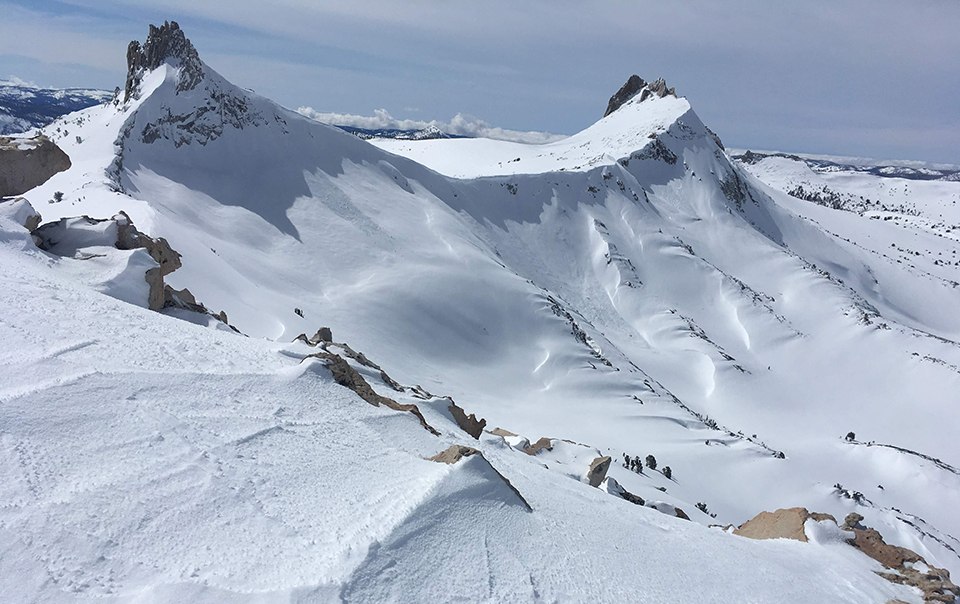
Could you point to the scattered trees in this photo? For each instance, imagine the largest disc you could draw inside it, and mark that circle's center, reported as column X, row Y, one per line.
column 703, row 508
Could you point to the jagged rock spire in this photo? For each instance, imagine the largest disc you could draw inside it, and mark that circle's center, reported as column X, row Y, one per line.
column 162, row 43
column 635, row 84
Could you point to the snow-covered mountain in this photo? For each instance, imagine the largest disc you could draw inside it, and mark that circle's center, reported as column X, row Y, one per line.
column 629, row 291
column 908, row 170
column 430, row 132
column 24, row 106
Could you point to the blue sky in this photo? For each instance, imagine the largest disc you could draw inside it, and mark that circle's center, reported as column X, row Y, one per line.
column 871, row 78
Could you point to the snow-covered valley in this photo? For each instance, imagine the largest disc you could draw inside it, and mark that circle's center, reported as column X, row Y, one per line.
column 631, row 290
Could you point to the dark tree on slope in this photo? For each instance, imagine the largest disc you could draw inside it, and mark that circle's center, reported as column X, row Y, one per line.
column 667, row 472
column 651, row 462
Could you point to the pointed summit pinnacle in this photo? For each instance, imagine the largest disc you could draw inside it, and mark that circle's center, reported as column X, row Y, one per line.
column 162, row 43
column 635, row 85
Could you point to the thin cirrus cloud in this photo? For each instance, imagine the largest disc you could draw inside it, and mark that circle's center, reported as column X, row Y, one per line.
column 857, row 77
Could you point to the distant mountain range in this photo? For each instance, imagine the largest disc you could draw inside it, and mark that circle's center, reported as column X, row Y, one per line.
column 428, row 133
column 888, row 170
column 24, row 106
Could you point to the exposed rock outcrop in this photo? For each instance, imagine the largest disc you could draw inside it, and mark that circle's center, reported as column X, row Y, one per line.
column 453, row 454
column 636, row 85
column 216, row 107
column 613, row 487
column 544, row 444
column 26, row 163
column 164, row 43
column 468, row 423
column 67, row 236
column 905, row 566
column 781, row 524
column 20, row 211
column 324, row 334
column 347, row 376
column 598, row 470
column 658, row 89
column 129, row 238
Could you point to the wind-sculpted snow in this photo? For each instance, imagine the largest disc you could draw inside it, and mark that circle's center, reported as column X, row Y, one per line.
column 629, row 288
column 194, row 464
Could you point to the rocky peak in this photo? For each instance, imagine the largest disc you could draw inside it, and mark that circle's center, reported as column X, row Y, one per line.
column 162, row 43
column 636, row 85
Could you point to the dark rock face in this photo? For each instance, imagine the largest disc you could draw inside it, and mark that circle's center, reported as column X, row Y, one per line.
column 163, row 43
column 28, row 163
column 598, row 470
column 634, row 85
column 215, row 107
column 656, row 150
column 468, row 423
column 658, row 89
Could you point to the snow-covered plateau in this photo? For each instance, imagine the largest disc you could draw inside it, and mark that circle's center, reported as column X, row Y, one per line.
column 630, row 293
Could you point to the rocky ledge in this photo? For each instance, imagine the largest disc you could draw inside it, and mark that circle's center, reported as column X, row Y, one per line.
column 636, row 85
column 26, row 163
column 901, row 565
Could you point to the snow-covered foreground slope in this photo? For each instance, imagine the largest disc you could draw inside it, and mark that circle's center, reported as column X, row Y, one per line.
column 151, row 459
column 636, row 291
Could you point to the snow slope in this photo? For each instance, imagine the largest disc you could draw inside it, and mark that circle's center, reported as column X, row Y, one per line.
column 150, row 459
column 629, row 288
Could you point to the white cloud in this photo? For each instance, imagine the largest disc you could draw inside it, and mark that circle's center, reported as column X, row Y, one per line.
column 15, row 81
column 460, row 125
